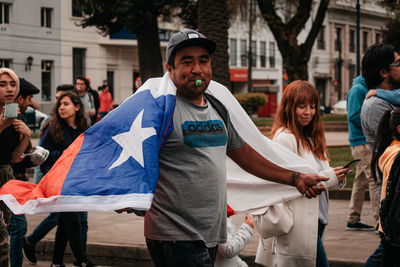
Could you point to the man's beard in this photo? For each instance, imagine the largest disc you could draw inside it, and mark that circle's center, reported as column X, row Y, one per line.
column 394, row 83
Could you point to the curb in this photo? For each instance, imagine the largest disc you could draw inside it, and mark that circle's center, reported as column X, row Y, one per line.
column 344, row 194
column 126, row 255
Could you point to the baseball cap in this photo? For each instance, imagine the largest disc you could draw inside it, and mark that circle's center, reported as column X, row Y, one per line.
column 26, row 88
column 188, row 38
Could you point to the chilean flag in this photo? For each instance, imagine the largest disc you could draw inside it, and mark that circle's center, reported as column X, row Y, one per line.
column 114, row 164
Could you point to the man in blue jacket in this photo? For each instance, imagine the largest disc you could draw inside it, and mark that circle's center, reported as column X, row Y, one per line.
column 360, row 150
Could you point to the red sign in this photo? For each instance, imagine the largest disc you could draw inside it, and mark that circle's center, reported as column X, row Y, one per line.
column 238, row 75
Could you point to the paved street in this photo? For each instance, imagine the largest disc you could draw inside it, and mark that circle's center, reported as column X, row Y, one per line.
column 109, row 231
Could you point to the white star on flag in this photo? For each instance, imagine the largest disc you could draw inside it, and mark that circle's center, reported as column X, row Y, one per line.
column 132, row 142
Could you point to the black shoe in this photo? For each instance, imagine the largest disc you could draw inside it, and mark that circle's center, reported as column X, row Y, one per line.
column 359, row 226
column 87, row 263
column 29, row 252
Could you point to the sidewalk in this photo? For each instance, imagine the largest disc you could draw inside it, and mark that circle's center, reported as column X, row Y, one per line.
column 117, row 239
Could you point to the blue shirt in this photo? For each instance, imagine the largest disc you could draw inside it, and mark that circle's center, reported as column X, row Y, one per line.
column 355, row 99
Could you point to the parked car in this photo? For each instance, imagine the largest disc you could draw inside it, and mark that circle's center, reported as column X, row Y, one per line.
column 340, row 107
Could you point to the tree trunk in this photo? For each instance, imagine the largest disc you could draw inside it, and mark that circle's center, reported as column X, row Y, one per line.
column 296, row 66
column 295, row 56
column 149, row 50
column 214, row 23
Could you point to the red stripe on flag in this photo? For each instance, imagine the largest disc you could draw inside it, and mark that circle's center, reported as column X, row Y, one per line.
column 51, row 184
column 53, row 181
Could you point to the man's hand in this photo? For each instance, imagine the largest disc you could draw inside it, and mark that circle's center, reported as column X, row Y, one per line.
column 122, row 210
column 307, row 184
column 370, row 93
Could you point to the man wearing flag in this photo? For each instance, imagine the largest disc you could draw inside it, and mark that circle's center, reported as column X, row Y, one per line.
column 186, row 220
column 164, row 149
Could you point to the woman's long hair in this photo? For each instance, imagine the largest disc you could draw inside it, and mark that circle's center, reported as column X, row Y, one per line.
column 57, row 124
column 311, row 137
column 386, row 133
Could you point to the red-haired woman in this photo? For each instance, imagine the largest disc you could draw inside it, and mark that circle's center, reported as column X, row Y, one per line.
column 298, row 127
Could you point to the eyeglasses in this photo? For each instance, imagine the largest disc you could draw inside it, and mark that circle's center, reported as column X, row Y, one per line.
column 397, row 64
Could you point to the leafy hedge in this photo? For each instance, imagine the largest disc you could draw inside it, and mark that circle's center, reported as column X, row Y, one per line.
column 251, row 101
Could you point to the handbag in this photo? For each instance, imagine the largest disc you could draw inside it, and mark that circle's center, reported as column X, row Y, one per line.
column 273, row 221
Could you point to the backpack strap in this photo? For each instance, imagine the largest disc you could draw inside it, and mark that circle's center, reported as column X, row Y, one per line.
column 219, row 107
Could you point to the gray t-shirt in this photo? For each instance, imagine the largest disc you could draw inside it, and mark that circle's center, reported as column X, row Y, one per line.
column 87, row 101
column 371, row 113
column 190, row 199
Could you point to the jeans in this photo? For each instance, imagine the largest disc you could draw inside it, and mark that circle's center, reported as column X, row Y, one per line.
column 181, row 253
column 322, row 260
column 68, row 230
column 84, row 228
column 17, row 230
column 375, row 259
column 43, row 228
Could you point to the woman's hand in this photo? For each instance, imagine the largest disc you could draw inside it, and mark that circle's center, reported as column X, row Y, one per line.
column 341, row 173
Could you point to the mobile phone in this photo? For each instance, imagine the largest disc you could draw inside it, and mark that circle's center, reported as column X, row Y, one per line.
column 11, row 110
column 352, row 163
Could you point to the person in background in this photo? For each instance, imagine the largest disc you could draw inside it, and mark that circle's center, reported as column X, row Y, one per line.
column 228, row 253
column 360, row 150
column 82, row 84
column 298, row 127
column 65, row 125
column 14, row 140
column 51, row 221
column 381, row 69
column 18, row 224
column 96, row 101
column 386, row 148
column 106, row 101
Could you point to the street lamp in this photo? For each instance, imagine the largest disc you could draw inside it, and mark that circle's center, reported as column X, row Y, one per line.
column 29, row 61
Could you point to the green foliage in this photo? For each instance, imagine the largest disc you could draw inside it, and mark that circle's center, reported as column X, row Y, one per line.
column 339, row 156
column 334, row 117
column 251, row 101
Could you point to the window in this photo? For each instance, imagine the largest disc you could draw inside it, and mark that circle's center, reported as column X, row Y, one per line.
column 338, row 41
column 272, row 55
column 263, row 50
column 254, row 53
column 321, row 39
column 5, row 63
column 45, row 17
column 232, row 52
column 352, row 43
column 78, row 62
column 76, row 11
column 4, row 13
column 47, row 66
column 377, row 38
column 365, row 41
column 243, row 53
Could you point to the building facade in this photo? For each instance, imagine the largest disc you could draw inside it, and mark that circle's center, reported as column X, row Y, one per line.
column 43, row 42
column 332, row 66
